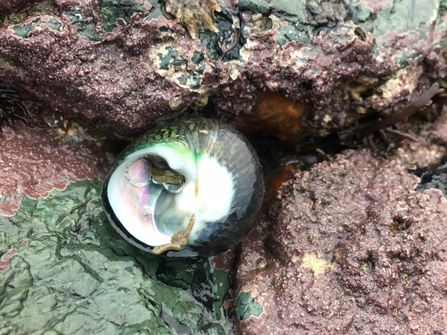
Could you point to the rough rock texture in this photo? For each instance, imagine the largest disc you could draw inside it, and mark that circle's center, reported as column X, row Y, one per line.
column 65, row 270
column 95, row 79
column 434, row 176
column 352, row 249
column 126, row 65
column 36, row 160
column 429, row 144
column 13, row 6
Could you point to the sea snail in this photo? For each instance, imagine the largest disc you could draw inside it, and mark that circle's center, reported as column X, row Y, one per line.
column 189, row 187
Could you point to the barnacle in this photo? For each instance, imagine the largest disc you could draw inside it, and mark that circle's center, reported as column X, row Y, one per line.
column 12, row 108
column 195, row 15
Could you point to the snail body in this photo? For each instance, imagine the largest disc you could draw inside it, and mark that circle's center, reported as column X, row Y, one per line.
column 192, row 186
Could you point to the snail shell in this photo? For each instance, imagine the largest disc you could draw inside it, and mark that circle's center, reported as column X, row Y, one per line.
column 193, row 186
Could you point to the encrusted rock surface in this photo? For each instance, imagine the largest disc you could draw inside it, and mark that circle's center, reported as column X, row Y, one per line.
column 36, row 160
column 14, row 6
column 352, row 249
column 127, row 65
column 349, row 246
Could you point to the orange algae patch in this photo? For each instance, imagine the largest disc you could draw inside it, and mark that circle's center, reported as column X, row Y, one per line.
column 284, row 174
column 276, row 115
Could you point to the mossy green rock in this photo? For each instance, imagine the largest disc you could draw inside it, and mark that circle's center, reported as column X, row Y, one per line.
column 64, row 270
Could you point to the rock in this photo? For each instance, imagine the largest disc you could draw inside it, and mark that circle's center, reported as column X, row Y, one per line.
column 348, row 247
column 49, row 153
column 352, row 248
column 63, row 268
column 14, row 6
column 127, row 66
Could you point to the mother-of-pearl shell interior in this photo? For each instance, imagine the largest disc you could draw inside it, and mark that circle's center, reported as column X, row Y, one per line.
column 207, row 193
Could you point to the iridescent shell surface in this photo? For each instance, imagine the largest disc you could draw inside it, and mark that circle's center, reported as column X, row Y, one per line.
column 189, row 187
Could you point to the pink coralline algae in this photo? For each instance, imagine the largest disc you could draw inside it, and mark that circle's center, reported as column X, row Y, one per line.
column 34, row 162
column 125, row 67
column 353, row 248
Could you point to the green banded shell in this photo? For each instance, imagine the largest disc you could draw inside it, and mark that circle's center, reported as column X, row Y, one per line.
column 191, row 186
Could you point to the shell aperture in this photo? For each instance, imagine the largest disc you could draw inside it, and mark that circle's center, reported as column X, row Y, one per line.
column 195, row 184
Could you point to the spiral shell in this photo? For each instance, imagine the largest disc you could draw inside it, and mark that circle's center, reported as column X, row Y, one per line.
column 191, row 186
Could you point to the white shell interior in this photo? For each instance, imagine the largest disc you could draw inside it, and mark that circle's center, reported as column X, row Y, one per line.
column 207, row 193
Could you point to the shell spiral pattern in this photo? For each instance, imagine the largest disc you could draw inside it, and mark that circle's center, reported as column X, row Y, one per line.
column 187, row 187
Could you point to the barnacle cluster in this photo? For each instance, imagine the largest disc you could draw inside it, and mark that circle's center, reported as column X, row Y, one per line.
column 195, row 15
column 12, row 108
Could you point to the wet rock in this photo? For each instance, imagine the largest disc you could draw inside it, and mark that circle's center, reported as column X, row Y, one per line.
column 65, row 270
column 76, row 76
column 127, row 65
column 14, row 6
column 36, row 160
column 433, row 176
column 274, row 115
column 352, row 248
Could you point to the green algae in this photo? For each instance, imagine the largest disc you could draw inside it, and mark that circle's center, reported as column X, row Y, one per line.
column 86, row 28
column 246, row 306
column 289, row 33
column 43, row 8
column 188, row 72
column 111, row 10
column 22, row 30
column 87, row 19
column 292, row 11
column 403, row 16
column 65, row 270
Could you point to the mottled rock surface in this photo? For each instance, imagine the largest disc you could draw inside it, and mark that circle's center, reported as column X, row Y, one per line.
column 127, row 65
column 65, row 270
column 352, row 249
column 349, row 247
column 36, row 160
column 14, row 6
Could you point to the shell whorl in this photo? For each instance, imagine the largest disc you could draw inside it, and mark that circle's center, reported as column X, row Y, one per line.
column 219, row 201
